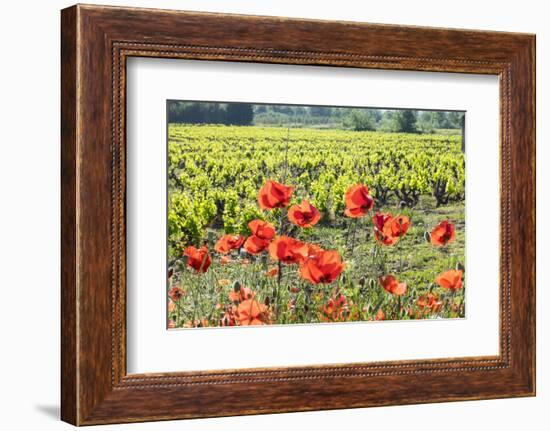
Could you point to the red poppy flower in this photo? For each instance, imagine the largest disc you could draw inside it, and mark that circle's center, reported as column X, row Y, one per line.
column 324, row 267
column 262, row 229
column 336, row 309
column 198, row 258
column 399, row 225
column 304, row 215
column 255, row 245
column 382, row 229
column 274, row 195
column 388, row 229
column 391, row 285
column 252, row 312
column 241, row 294
column 171, row 306
column 429, row 301
column 176, row 294
column 443, row 233
column 451, row 279
column 288, row 250
column 272, row 271
column 229, row 242
column 358, row 201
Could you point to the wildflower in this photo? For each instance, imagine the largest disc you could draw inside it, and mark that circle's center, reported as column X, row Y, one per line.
column 358, row 201
column 429, row 301
column 274, row 195
column 251, row 312
column 382, row 229
column 175, row 294
column 262, row 229
column 443, row 234
column 255, row 245
column 324, row 267
column 288, row 250
column 198, row 258
column 272, row 271
column 451, row 279
column 229, row 242
column 391, row 285
column 336, row 309
column 304, row 215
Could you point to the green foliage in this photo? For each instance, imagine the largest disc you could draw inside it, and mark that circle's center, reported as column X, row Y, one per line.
column 361, row 120
column 215, row 172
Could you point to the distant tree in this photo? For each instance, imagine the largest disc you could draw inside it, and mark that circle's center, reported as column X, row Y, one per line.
column 300, row 111
column 283, row 109
column 425, row 122
column 320, row 111
column 361, row 119
column 441, row 121
column 240, row 114
column 455, row 119
column 401, row 120
column 387, row 123
column 405, row 121
column 260, row 109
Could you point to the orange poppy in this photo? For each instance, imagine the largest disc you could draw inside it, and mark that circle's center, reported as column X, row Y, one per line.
column 380, row 315
column 272, row 272
column 388, row 229
column 304, row 215
column 429, row 301
column 274, row 195
column 382, row 229
column 391, row 285
column 358, row 201
column 399, row 225
column 443, row 233
column 224, row 260
column 241, row 294
column 198, row 258
column 251, row 312
column 262, row 229
column 336, row 309
column 171, row 324
column 451, row 279
column 288, row 250
column 229, row 242
column 176, row 294
column 312, row 250
column 171, row 306
column 324, row 267
column 255, row 245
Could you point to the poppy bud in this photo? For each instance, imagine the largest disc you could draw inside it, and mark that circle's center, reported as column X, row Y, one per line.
column 236, row 286
column 362, row 281
column 372, row 283
column 267, row 301
column 459, row 266
column 427, row 236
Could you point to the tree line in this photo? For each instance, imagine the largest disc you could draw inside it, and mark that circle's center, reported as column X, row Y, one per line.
column 359, row 119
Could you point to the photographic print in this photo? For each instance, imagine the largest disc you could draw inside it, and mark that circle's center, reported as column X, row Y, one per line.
column 295, row 214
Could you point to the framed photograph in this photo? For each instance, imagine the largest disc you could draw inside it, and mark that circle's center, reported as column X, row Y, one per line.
column 266, row 215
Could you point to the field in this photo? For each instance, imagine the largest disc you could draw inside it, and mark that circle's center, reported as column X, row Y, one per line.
column 398, row 257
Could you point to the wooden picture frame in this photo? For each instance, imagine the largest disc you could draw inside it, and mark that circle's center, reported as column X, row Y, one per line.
column 95, row 43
